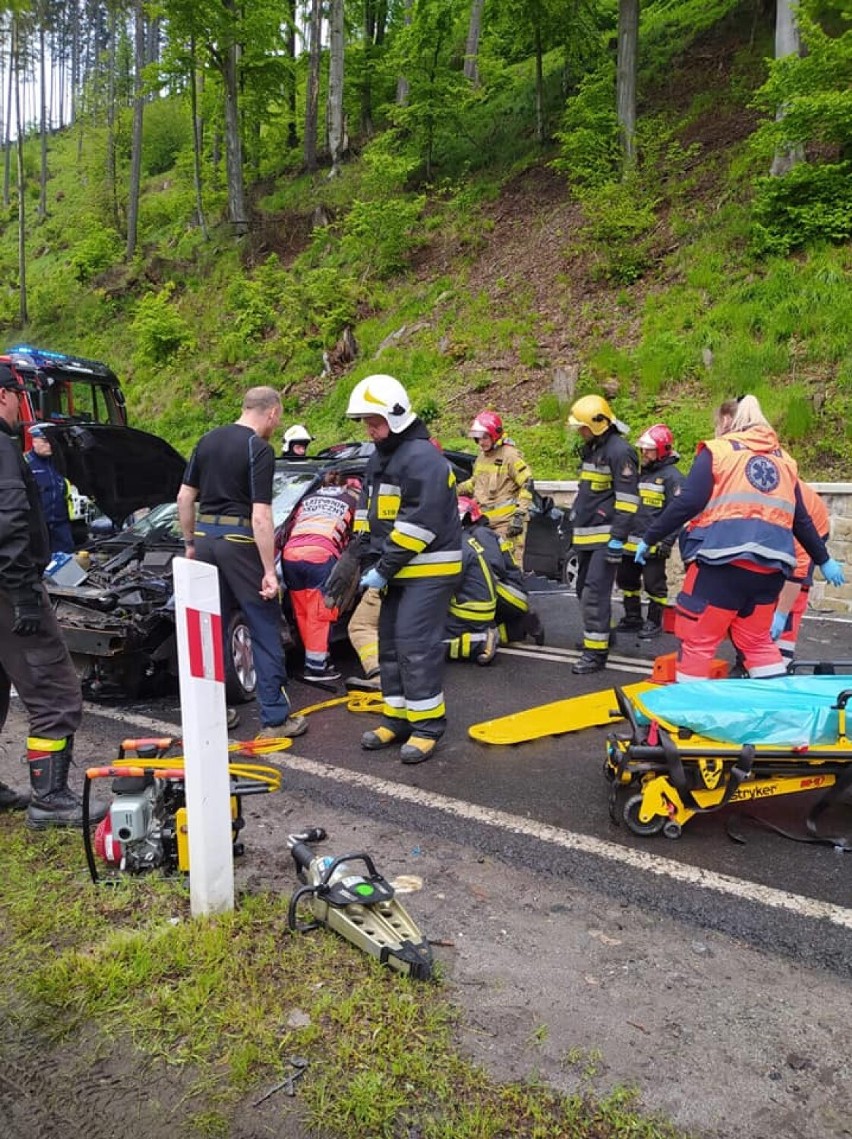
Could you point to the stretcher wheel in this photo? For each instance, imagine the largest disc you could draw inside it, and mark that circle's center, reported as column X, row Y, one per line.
column 672, row 829
column 630, row 814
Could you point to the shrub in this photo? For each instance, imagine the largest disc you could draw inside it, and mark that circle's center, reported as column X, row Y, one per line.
column 97, row 250
column 166, row 130
column 809, row 203
column 159, row 329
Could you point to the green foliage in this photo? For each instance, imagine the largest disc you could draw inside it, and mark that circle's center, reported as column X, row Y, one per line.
column 807, row 204
column 589, row 148
column 618, row 222
column 166, row 130
column 98, row 249
column 159, row 330
column 549, row 409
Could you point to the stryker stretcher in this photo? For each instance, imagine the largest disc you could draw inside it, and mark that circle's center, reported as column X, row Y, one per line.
column 697, row 747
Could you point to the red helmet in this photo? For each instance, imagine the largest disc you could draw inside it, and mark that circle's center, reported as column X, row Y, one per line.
column 487, row 423
column 469, row 509
column 658, row 438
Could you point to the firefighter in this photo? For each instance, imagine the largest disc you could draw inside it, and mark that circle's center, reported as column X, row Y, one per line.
column 471, row 630
column 315, row 540
column 411, row 550
column 33, row 655
column 793, row 599
column 602, row 515
column 501, row 482
column 743, row 505
column 296, row 440
column 660, row 480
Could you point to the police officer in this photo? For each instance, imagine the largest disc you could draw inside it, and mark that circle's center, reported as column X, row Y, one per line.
column 55, row 491
column 501, row 482
column 408, row 517
column 742, row 503
column 33, row 655
column 660, row 480
column 229, row 476
column 602, row 516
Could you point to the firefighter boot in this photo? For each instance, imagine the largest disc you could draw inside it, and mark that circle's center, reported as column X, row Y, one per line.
column 589, row 662
column 533, row 627
column 653, row 627
column 11, row 800
column 631, row 622
column 53, row 803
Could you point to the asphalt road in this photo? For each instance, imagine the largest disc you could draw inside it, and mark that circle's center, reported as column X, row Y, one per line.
column 544, row 804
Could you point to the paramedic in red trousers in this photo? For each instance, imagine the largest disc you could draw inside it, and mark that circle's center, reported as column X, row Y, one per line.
column 793, row 599
column 317, row 537
column 660, row 480
column 229, row 476
column 743, row 505
column 411, row 550
column 602, row 516
column 33, row 655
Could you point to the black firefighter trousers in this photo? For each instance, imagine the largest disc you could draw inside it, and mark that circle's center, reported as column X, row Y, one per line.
column 595, row 578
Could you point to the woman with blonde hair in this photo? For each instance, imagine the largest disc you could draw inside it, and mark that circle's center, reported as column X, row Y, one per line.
column 742, row 505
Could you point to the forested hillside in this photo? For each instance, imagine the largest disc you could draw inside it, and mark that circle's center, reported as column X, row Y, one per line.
column 501, row 202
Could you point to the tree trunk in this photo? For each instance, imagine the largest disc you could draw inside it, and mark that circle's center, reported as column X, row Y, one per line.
column 111, row 162
column 292, row 131
column 787, row 42
column 197, row 140
column 403, row 88
column 312, row 94
column 471, row 51
column 335, row 86
column 139, row 47
column 23, row 314
column 7, row 138
column 42, row 71
column 233, row 145
column 540, row 128
column 367, row 69
column 628, row 52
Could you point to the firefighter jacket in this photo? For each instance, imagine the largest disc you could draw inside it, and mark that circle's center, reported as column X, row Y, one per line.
column 749, row 515
column 24, row 543
column 608, row 496
column 408, row 511
column 321, row 525
column 659, row 483
column 804, row 571
column 512, row 598
column 501, row 482
column 474, row 603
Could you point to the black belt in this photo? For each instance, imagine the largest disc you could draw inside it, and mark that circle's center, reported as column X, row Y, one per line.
column 224, row 520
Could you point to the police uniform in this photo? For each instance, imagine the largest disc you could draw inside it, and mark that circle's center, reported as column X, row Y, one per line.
column 501, row 482
column 604, row 510
column 55, row 494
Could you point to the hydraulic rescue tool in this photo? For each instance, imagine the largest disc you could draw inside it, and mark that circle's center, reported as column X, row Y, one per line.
column 348, row 895
column 732, row 742
column 146, row 826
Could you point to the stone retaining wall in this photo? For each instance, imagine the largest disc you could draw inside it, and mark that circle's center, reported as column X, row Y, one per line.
column 826, row 599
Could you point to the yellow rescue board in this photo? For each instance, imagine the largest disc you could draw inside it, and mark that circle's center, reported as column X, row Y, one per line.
column 572, row 715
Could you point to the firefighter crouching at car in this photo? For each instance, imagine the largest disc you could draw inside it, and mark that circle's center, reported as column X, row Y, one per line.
column 742, row 503
column 33, row 655
column 660, row 481
column 602, row 516
column 501, row 482
column 411, row 549
column 471, row 629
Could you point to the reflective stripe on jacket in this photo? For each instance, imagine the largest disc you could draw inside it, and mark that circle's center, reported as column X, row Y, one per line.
column 608, row 496
column 749, row 515
column 659, row 483
column 475, row 598
column 501, row 482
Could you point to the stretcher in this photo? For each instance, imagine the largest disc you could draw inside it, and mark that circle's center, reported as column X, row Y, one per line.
column 694, row 748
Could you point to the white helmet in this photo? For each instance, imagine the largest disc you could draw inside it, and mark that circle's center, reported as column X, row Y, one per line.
column 297, row 434
column 384, row 396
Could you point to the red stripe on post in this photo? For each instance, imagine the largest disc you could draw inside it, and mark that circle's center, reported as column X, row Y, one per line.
column 204, row 635
column 218, row 653
column 196, row 649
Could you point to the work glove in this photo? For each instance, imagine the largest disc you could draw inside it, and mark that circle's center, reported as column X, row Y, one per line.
column 614, row 551
column 341, row 585
column 832, row 572
column 516, row 524
column 641, row 551
column 372, row 579
column 664, row 552
column 26, row 610
column 779, row 624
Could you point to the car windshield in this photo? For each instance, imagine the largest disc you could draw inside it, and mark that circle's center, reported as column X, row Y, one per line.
column 288, row 486
column 160, row 523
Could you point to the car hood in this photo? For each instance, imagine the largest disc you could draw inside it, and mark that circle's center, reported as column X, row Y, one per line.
column 119, row 468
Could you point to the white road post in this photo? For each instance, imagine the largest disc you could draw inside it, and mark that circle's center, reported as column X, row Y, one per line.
column 205, row 736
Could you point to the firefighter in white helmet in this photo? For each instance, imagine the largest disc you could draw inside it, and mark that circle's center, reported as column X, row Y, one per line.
column 296, row 440
column 411, row 550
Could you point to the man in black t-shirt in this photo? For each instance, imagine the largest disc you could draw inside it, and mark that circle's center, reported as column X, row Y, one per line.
column 229, row 476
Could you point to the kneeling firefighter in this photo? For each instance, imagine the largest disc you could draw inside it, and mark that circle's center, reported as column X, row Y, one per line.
column 602, row 515
column 410, row 548
column 471, row 630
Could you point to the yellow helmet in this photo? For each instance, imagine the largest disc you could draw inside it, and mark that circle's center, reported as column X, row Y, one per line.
column 591, row 411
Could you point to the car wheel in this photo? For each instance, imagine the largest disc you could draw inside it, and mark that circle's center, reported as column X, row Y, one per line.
column 570, row 570
column 240, row 677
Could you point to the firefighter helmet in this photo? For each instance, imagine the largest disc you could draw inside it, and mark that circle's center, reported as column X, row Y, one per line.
column 384, row 396
column 658, row 438
column 487, row 423
column 591, row 411
column 469, row 511
column 298, row 434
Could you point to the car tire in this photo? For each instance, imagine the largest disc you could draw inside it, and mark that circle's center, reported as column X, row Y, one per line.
column 570, row 569
column 240, row 676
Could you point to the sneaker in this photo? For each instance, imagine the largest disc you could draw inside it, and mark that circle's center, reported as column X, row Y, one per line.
column 320, row 675
column 372, row 682
column 292, row 726
column 383, row 737
column 489, row 648
column 417, row 749
column 650, row 630
column 233, row 719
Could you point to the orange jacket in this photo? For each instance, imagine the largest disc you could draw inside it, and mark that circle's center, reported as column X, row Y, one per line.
column 821, row 520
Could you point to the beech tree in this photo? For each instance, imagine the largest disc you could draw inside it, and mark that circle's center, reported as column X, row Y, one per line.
column 626, row 67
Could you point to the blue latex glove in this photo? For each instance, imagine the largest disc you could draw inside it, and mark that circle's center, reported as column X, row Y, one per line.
column 832, row 572
column 641, row 551
column 372, row 579
column 779, row 624
column 614, row 550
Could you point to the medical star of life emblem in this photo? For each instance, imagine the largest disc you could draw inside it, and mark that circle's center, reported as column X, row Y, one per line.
column 763, row 474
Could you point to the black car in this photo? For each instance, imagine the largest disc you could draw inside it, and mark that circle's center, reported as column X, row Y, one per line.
column 118, row 621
